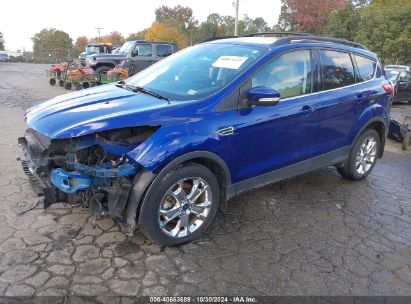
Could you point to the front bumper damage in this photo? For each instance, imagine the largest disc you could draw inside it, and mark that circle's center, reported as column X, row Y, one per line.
column 93, row 170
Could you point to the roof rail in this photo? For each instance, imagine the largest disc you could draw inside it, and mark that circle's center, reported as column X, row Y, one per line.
column 286, row 40
column 278, row 34
column 218, row 38
column 255, row 34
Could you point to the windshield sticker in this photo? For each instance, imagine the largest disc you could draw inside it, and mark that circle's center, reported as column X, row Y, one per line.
column 229, row 62
column 191, row 92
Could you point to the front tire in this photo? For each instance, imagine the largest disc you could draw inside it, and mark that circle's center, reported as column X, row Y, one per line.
column 67, row 85
column 363, row 156
column 179, row 206
column 101, row 71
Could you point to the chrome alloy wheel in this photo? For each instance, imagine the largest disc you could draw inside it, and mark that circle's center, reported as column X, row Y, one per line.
column 184, row 207
column 366, row 155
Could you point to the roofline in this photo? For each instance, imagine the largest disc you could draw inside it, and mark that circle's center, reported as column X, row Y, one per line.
column 290, row 39
column 277, row 33
column 393, row 66
column 146, row 41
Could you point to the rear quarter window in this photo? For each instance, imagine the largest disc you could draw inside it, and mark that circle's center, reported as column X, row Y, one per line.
column 366, row 68
column 337, row 69
column 163, row 50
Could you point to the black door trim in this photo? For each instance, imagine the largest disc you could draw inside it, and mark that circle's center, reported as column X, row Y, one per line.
column 318, row 162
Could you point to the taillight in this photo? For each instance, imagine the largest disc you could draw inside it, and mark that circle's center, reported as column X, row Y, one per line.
column 388, row 88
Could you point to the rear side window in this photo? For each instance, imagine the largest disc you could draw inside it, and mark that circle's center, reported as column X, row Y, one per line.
column 337, row 69
column 163, row 50
column 366, row 68
column 405, row 76
column 290, row 74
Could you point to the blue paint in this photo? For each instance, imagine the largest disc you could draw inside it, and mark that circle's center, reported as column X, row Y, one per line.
column 265, row 138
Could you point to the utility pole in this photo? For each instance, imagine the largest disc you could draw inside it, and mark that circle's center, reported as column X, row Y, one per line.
column 98, row 30
column 236, row 4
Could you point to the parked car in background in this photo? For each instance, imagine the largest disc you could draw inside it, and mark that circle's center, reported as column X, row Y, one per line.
column 163, row 149
column 133, row 55
column 94, row 48
column 400, row 76
column 4, row 57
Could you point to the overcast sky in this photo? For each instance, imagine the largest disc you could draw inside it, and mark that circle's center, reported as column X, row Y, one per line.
column 20, row 20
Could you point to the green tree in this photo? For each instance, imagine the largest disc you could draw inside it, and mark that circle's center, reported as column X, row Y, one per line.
column 179, row 17
column 137, row 36
column 51, row 45
column 386, row 30
column 212, row 27
column 1, row 42
column 285, row 21
column 217, row 26
column 248, row 25
column 344, row 23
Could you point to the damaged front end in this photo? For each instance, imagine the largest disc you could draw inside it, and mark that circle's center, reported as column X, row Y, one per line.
column 93, row 170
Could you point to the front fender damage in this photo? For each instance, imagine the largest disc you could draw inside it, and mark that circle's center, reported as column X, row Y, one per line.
column 92, row 170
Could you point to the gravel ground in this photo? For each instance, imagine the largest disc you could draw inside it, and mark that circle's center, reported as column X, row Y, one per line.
column 315, row 234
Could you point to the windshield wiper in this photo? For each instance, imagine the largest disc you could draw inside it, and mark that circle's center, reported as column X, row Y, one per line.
column 136, row 89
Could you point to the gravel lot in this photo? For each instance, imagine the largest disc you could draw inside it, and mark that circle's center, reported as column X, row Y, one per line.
column 316, row 234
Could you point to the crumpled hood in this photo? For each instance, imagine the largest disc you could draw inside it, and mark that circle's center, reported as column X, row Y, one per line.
column 93, row 110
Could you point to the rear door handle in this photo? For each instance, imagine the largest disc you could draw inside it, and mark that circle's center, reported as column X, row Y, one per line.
column 305, row 110
column 361, row 97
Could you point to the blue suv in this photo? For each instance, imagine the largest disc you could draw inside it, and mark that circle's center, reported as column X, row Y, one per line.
column 163, row 149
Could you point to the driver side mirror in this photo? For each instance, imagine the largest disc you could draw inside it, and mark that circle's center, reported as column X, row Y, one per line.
column 134, row 53
column 263, row 96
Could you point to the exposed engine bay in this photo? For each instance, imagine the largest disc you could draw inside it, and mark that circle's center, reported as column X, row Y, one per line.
column 93, row 170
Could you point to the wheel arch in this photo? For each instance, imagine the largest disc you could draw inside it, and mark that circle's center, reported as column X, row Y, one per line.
column 104, row 64
column 378, row 125
column 144, row 180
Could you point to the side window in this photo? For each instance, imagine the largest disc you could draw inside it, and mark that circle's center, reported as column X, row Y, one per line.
column 337, row 69
column 405, row 76
column 144, row 49
column 163, row 50
column 290, row 74
column 366, row 68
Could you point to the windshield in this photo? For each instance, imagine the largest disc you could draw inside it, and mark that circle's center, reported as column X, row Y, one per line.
column 126, row 47
column 391, row 74
column 197, row 71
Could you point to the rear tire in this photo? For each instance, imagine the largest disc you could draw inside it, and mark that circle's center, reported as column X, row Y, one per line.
column 363, row 156
column 52, row 81
column 67, row 85
column 179, row 206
